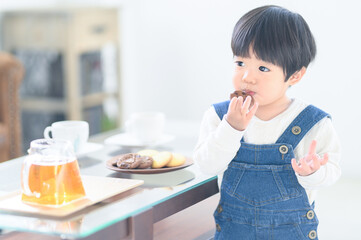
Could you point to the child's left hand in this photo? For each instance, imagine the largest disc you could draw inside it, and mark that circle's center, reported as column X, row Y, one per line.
column 310, row 163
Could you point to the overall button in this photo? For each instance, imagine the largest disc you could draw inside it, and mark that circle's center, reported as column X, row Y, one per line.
column 296, row 130
column 283, row 149
column 310, row 214
column 218, row 228
column 219, row 209
column 312, row 234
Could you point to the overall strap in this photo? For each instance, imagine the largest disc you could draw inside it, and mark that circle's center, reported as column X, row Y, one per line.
column 301, row 125
column 221, row 108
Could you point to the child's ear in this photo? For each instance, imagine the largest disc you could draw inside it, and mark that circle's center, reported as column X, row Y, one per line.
column 297, row 76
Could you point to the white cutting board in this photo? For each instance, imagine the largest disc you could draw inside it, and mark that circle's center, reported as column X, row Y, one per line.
column 97, row 189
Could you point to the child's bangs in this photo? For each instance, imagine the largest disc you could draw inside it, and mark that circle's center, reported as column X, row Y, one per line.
column 264, row 41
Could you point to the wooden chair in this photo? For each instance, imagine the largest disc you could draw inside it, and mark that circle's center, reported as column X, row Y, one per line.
column 11, row 75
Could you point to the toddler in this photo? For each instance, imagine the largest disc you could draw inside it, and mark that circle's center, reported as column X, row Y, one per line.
column 271, row 152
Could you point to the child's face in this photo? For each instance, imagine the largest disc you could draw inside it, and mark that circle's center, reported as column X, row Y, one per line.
column 264, row 81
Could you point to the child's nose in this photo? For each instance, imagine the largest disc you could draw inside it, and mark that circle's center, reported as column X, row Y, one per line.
column 248, row 77
column 245, row 75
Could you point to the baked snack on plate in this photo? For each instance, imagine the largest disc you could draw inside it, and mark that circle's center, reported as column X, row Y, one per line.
column 132, row 160
column 148, row 161
column 164, row 159
column 161, row 159
column 177, row 160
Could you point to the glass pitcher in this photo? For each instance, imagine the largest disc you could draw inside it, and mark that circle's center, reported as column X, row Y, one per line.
column 50, row 173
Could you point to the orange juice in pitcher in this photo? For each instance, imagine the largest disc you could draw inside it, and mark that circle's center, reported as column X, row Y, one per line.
column 50, row 174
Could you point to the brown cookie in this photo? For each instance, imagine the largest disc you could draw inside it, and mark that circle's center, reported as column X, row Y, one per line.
column 114, row 161
column 146, row 162
column 129, row 161
column 242, row 93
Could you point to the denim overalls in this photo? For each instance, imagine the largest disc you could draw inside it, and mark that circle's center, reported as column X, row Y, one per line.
column 260, row 195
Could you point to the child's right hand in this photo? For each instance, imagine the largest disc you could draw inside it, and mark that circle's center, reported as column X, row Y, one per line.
column 239, row 112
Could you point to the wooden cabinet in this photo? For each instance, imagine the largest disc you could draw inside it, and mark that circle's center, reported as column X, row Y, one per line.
column 69, row 37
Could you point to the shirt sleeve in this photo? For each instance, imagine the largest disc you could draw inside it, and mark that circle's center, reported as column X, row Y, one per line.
column 327, row 142
column 217, row 145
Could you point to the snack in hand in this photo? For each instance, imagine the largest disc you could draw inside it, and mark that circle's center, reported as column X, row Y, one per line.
column 161, row 159
column 177, row 160
column 242, row 93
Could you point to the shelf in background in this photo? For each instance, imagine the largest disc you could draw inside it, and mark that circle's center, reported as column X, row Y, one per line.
column 52, row 105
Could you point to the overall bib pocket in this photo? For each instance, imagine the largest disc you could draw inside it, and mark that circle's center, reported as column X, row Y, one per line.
column 260, row 185
column 291, row 231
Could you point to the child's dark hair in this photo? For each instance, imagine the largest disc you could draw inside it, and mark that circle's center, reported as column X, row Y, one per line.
column 276, row 35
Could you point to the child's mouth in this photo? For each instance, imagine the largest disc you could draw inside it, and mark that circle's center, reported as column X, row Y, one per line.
column 248, row 92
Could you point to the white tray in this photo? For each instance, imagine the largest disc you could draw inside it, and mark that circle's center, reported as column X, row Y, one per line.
column 97, row 189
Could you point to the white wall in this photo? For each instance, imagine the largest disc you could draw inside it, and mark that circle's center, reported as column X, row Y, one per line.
column 176, row 58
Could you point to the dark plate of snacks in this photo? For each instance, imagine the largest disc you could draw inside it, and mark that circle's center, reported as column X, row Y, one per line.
column 148, row 162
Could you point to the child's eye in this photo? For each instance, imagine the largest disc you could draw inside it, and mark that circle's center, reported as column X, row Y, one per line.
column 263, row 69
column 240, row 63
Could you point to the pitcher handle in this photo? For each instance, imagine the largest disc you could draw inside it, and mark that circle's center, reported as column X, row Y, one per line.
column 25, row 177
column 47, row 130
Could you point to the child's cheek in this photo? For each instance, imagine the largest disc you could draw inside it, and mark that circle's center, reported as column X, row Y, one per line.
column 236, row 80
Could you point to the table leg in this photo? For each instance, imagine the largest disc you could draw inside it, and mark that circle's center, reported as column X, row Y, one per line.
column 141, row 225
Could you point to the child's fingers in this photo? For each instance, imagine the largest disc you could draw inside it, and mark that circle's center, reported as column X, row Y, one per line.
column 232, row 104
column 247, row 103
column 239, row 104
column 312, row 149
column 310, row 164
column 315, row 163
column 295, row 166
column 299, row 168
column 305, row 167
column 324, row 160
column 253, row 110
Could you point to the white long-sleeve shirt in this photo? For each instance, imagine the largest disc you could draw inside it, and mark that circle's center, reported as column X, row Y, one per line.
column 218, row 144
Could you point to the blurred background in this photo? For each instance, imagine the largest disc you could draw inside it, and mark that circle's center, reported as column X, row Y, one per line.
column 103, row 60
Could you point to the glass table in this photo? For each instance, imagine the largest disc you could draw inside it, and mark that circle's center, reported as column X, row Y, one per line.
column 130, row 214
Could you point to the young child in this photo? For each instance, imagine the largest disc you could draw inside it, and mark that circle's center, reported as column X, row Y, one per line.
column 271, row 153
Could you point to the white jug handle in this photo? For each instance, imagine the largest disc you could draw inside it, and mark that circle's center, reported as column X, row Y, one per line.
column 47, row 130
column 25, row 177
